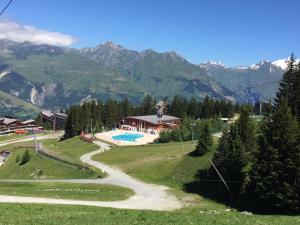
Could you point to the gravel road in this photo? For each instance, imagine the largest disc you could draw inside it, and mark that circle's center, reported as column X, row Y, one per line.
column 147, row 196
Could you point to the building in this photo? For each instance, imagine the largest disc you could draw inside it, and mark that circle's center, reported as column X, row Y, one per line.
column 11, row 125
column 56, row 121
column 150, row 123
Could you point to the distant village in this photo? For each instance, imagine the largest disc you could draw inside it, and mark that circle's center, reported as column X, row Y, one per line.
column 46, row 118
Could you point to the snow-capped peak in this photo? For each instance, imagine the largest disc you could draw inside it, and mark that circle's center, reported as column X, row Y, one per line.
column 282, row 63
column 258, row 65
column 214, row 63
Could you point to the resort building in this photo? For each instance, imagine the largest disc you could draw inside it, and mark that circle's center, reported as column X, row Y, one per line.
column 56, row 121
column 150, row 123
column 11, row 125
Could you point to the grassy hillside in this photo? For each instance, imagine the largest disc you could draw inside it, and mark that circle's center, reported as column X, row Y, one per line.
column 70, row 149
column 51, row 169
column 91, row 192
column 168, row 164
column 13, row 106
column 172, row 165
column 27, row 214
column 66, row 78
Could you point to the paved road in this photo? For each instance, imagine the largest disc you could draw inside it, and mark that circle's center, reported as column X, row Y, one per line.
column 147, row 196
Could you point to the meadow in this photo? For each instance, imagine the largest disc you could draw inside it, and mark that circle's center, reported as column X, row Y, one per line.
column 64, row 190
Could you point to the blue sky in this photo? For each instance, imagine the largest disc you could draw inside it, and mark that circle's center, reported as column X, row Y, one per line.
column 231, row 31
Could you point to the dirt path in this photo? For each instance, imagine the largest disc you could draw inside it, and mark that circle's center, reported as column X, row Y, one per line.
column 147, row 196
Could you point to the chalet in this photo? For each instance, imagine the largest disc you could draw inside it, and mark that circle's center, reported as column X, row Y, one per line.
column 150, row 123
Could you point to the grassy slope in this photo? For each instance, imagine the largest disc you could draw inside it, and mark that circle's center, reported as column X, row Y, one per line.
column 167, row 164
column 171, row 165
column 52, row 169
column 13, row 106
column 93, row 192
column 12, row 136
column 70, row 149
column 75, row 73
column 23, row 214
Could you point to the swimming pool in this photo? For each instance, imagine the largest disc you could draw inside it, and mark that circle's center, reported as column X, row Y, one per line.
column 127, row 137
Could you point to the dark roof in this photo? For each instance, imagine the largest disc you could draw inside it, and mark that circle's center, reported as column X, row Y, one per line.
column 154, row 119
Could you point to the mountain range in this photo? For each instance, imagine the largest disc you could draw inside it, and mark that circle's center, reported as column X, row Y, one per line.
column 52, row 77
column 257, row 82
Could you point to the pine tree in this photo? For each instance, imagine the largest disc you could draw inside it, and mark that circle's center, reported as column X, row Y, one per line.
column 246, row 131
column 230, row 159
column 205, row 140
column 25, row 157
column 289, row 87
column 275, row 174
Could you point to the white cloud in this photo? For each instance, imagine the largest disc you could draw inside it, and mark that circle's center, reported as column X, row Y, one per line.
column 16, row 32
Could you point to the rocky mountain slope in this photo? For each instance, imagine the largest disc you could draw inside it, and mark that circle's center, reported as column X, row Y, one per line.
column 255, row 82
column 54, row 77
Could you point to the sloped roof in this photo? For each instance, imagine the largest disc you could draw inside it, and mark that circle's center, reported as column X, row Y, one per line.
column 28, row 121
column 154, row 119
column 9, row 121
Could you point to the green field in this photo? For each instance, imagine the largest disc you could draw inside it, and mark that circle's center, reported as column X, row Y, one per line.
column 8, row 137
column 21, row 214
column 70, row 149
column 51, row 169
column 168, row 164
column 172, row 165
column 93, row 192
column 13, row 136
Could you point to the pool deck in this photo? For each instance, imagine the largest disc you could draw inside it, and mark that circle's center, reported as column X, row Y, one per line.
column 107, row 136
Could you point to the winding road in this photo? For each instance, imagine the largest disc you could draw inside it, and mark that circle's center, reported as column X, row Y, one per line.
column 147, row 196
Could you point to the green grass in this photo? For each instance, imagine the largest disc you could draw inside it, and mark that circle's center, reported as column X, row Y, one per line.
column 168, row 164
column 93, row 192
column 71, row 149
column 172, row 165
column 7, row 137
column 12, row 136
column 24, row 214
column 51, row 169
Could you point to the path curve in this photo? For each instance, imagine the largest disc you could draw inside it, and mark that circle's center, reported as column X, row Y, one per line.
column 147, row 196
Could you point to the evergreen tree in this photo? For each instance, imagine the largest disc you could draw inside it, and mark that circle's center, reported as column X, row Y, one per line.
column 25, row 157
column 230, row 159
column 205, row 140
column 275, row 174
column 289, row 87
column 246, row 130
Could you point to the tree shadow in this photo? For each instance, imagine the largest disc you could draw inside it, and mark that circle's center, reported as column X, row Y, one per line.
column 209, row 186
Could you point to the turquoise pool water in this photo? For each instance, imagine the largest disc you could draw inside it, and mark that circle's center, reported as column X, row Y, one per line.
column 127, row 137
